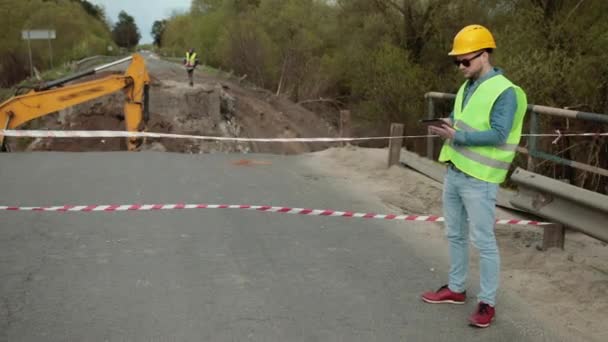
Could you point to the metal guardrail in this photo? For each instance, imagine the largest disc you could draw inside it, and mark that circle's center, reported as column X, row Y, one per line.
column 574, row 207
column 93, row 61
column 534, row 111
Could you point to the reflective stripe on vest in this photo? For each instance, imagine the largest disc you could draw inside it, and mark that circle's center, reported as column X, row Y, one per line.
column 467, row 152
column 488, row 163
column 504, row 147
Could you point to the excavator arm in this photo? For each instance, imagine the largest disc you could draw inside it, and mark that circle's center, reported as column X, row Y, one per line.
column 51, row 97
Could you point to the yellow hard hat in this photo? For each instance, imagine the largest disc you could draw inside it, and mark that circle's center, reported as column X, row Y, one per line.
column 472, row 38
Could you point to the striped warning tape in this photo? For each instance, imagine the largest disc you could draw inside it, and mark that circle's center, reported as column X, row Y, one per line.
column 126, row 134
column 264, row 208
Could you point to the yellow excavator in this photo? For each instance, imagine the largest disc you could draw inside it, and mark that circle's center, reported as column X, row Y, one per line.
column 55, row 95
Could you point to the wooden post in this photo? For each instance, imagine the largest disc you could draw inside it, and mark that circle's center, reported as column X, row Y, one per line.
column 553, row 236
column 394, row 145
column 534, row 128
column 344, row 125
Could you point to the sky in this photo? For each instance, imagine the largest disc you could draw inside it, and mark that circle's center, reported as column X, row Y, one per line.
column 144, row 12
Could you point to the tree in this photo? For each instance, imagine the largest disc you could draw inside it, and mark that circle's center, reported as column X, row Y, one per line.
column 79, row 35
column 158, row 28
column 93, row 10
column 380, row 56
column 205, row 6
column 299, row 43
column 125, row 32
column 236, row 6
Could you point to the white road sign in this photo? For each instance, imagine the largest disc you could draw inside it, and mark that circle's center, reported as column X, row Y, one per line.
column 38, row 34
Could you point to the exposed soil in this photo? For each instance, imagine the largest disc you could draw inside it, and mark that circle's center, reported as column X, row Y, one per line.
column 214, row 106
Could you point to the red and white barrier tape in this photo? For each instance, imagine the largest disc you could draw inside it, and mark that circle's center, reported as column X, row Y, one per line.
column 125, row 134
column 264, row 208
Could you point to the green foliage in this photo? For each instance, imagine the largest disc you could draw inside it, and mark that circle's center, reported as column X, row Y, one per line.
column 383, row 54
column 205, row 6
column 208, row 30
column 79, row 34
column 361, row 50
column 296, row 29
column 388, row 84
column 245, row 48
column 558, row 53
column 158, row 28
column 379, row 57
column 125, row 31
column 93, row 10
column 177, row 36
column 5, row 94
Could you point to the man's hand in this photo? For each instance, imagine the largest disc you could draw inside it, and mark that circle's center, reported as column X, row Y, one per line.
column 445, row 131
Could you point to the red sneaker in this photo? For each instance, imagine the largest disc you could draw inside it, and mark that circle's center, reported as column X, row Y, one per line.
column 444, row 295
column 483, row 316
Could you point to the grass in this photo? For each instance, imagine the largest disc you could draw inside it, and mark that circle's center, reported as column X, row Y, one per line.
column 5, row 94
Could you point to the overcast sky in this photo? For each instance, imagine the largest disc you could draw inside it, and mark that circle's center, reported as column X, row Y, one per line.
column 144, row 12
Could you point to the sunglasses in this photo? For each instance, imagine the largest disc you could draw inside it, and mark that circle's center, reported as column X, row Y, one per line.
column 467, row 62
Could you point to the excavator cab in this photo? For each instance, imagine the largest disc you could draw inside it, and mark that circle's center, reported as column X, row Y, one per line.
column 56, row 95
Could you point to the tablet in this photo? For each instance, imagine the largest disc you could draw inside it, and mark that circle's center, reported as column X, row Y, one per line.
column 434, row 122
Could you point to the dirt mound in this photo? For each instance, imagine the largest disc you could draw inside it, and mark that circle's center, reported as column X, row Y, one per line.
column 213, row 107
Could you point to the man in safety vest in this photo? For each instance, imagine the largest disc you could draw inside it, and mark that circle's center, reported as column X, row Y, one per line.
column 482, row 135
column 190, row 62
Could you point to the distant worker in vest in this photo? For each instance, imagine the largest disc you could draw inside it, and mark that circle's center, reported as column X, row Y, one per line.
column 481, row 136
column 190, row 62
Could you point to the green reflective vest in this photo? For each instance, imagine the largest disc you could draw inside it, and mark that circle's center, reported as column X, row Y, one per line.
column 488, row 163
column 190, row 58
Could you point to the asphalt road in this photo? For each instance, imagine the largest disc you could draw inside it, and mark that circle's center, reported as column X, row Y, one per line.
column 210, row 275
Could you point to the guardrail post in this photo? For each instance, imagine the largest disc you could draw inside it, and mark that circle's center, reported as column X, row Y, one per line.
column 553, row 236
column 430, row 115
column 344, row 125
column 534, row 128
column 395, row 145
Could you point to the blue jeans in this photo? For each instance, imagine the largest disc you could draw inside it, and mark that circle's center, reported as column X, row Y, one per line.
column 469, row 206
